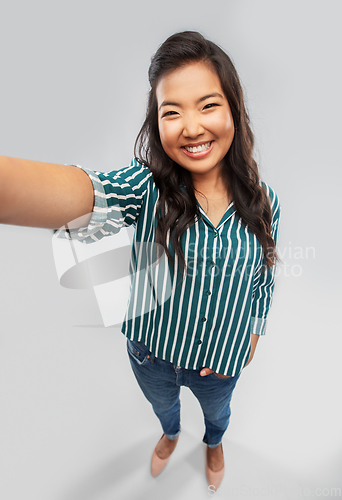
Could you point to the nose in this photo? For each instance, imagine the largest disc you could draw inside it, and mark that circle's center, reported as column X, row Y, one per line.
column 192, row 126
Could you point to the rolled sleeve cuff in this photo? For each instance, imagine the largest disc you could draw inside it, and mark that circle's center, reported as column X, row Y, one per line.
column 100, row 209
column 258, row 325
column 99, row 214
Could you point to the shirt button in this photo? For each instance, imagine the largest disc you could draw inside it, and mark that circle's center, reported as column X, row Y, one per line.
column 215, row 235
column 208, row 292
column 203, row 320
column 199, row 342
column 212, row 264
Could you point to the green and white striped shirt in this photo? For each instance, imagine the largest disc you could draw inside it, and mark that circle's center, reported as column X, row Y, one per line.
column 205, row 319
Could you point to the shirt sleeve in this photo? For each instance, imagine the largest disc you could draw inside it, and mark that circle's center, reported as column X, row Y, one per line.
column 263, row 293
column 118, row 198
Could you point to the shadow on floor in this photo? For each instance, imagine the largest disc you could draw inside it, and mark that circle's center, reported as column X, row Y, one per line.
column 248, row 476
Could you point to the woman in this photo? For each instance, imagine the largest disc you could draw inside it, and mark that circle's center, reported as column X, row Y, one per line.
column 193, row 191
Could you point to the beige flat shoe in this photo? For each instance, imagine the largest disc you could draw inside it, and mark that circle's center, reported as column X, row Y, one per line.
column 158, row 464
column 214, row 478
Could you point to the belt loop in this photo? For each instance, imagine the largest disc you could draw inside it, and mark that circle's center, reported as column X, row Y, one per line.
column 151, row 357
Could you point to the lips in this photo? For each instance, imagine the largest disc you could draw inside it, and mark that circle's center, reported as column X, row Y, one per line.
column 198, row 150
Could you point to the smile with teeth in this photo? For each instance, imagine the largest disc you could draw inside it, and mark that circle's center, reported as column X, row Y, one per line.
column 198, row 149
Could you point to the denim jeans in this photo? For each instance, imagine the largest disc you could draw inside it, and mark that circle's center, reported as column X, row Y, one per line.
column 161, row 381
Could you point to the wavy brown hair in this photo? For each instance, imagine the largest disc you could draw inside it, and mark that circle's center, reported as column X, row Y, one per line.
column 177, row 207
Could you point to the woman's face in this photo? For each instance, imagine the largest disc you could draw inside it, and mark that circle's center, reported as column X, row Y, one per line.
column 195, row 121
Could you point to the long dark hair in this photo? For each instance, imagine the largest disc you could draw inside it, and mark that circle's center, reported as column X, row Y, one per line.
column 177, row 207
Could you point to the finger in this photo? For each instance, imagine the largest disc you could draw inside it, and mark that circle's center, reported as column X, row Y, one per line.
column 205, row 371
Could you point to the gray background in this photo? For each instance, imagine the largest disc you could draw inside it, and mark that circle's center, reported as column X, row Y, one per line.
column 74, row 425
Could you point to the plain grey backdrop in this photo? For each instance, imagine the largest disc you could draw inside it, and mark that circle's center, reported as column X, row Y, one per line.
column 74, row 425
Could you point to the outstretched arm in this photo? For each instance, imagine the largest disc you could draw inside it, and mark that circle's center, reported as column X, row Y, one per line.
column 43, row 195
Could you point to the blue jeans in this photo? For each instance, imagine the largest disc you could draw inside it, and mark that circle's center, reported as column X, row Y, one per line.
column 161, row 381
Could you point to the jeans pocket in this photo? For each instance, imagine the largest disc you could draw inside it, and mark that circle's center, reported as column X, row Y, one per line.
column 138, row 351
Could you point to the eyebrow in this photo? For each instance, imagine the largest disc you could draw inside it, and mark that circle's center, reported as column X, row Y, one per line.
column 171, row 103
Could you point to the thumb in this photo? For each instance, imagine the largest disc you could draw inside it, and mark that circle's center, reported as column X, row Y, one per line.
column 206, row 371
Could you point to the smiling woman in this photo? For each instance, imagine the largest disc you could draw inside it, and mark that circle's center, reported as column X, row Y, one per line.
column 215, row 277
column 195, row 123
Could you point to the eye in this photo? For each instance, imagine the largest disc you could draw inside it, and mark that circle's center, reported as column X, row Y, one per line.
column 169, row 113
column 210, row 105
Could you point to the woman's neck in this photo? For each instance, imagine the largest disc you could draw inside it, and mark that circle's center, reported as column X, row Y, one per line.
column 211, row 186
